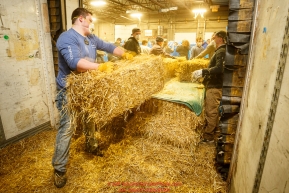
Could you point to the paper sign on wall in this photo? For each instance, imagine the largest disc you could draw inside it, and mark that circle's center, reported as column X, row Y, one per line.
column 148, row 32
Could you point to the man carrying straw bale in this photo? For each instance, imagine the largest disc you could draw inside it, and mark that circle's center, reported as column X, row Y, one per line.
column 77, row 52
column 213, row 81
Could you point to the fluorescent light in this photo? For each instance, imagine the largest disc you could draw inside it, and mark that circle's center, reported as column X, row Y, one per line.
column 199, row 11
column 98, row 3
column 138, row 15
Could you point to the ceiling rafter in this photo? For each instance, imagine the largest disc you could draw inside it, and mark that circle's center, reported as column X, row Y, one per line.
column 157, row 3
column 118, row 2
column 141, row 5
column 151, row 9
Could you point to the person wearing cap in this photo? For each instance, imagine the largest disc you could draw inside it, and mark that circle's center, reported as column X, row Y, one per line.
column 210, row 49
column 157, row 49
column 213, row 82
column 132, row 42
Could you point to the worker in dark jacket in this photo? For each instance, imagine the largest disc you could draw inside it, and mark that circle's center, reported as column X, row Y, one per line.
column 157, row 49
column 184, row 49
column 132, row 42
column 213, row 81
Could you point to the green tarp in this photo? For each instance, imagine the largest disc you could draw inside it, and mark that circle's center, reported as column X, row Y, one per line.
column 187, row 93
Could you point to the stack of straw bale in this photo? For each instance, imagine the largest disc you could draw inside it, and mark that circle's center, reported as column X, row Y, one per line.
column 157, row 120
column 171, row 65
column 100, row 96
column 183, row 68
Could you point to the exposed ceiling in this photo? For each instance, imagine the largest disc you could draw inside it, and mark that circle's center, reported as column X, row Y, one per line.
column 116, row 11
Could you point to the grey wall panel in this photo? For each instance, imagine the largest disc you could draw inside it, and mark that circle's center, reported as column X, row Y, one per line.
column 33, row 131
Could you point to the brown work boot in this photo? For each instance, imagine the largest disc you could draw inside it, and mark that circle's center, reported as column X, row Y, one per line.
column 207, row 138
column 59, row 179
column 92, row 147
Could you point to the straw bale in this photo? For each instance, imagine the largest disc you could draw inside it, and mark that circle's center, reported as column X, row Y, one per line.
column 182, row 68
column 184, row 72
column 171, row 65
column 158, row 120
column 100, row 96
column 166, row 122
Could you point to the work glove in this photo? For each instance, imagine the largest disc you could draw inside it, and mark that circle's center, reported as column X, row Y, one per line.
column 196, row 75
column 106, row 67
column 128, row 55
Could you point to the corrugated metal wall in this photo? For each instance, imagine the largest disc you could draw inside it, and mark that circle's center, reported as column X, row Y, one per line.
column 239, row 32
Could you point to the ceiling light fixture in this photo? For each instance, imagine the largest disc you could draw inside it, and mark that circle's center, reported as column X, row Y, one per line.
column 199, row 11
column 98, row 3
column 137, row 15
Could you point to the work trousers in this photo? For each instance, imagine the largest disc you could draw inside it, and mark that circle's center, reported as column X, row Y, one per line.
column 65, row 132
column 212, row 116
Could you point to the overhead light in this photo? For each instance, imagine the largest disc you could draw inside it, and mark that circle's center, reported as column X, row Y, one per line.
column 168, row 9
column 199, row 11
column 137, row 15
column 134, row 13
column 93, row 19
column 98, row 3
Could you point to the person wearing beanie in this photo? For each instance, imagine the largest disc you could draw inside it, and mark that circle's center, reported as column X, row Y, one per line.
column 213, row 82
column 132, row 42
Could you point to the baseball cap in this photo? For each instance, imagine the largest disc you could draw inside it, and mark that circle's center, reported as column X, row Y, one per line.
column 159, row 39
column 221, row 34
column 134, row 30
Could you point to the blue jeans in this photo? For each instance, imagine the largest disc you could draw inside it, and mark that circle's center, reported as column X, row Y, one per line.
column 63, row 136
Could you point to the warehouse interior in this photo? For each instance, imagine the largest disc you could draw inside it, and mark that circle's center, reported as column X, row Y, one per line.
column 154, row 146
